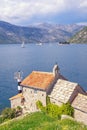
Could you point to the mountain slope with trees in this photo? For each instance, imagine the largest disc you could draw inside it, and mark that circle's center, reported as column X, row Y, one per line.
column 80, row 37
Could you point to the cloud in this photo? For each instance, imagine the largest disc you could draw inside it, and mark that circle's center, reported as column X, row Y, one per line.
column 82, row 23
column 83, row 4
column 23, row 10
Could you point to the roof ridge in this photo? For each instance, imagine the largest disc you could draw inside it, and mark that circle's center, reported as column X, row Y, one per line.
column 16, row 96
column 42, row 72
column 66, row 81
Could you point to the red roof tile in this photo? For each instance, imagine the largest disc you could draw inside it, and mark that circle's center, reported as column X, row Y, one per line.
column 37, row 79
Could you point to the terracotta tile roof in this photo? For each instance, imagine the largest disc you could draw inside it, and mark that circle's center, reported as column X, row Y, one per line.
column 63, row 90
column 37, row 79
column 16, row 96
column 80, row 102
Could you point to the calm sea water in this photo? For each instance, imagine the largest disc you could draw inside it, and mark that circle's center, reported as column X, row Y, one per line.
column 72, row 60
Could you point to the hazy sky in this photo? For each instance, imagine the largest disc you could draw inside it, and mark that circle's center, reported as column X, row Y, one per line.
column 25, row 12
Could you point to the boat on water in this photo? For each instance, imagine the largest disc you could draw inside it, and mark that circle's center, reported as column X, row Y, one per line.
column 39, row 44
column 64, row 43
column 23, row 44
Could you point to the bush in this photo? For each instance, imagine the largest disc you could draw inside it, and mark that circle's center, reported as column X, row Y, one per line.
column 53, row 110
column 18, row 111
column 1, row 119
column 47, row 100
column 8, row 113
column 67, row 109
column 19, row 108
column 39, row 104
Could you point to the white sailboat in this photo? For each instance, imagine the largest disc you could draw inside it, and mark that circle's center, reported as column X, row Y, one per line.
column 23, row 44
column 39, row 44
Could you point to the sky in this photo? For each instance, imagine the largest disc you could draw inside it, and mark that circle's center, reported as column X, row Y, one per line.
column 26, row 12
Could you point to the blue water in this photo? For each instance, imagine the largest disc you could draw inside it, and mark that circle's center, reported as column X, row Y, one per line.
column 72, row 60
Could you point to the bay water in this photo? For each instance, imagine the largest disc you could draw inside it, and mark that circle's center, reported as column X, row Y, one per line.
column 71, row 59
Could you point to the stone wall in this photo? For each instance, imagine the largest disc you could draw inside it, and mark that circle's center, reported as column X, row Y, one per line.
column 16, row 102
column 80, row 116
column 31, row 97
column 55, row 102
column 77, row 90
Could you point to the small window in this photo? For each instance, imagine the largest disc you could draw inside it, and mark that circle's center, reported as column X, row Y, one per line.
column 35, row 91
column 42, row 94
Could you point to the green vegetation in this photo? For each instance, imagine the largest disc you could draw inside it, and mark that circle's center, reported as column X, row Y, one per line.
column 41, row 121
column 1, row 119
column 9, row 113
column 54, row 110
column 67, row 109
column 39, row 105
column 80, row 37
column 47, row 100
column 48, row 119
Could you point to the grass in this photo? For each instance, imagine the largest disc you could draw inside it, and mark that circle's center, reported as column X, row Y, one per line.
column 40, row 121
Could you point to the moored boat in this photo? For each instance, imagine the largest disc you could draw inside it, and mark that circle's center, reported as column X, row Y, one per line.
column 23, row 44
column 65, row 42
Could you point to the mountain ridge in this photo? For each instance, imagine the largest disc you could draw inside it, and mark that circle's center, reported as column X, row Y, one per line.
column 43, row 32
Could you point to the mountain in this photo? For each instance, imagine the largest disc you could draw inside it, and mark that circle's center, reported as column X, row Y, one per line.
column 80, row 37
column 16, row 34
column 58, row 32
column 42, row 32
